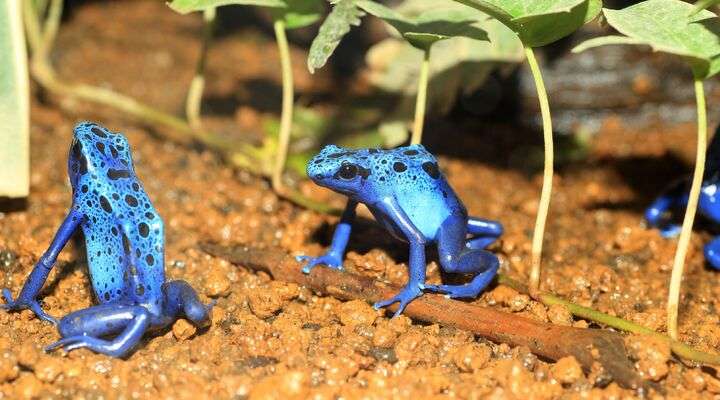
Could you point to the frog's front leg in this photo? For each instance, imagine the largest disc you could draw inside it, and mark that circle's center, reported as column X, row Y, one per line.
column 416, row 267
column 86, row 328
column 655, row 215
column 39, row 274
column 456, row 258
column 333, row 258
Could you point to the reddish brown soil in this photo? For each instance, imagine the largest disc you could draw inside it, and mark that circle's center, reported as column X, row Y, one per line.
column 275, row 340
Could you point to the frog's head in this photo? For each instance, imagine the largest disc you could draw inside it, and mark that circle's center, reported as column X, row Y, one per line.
column 97, row 150
column 342, row 170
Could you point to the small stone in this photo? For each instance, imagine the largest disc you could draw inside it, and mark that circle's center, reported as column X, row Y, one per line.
column 9, row 368
column 566, row 370
column 652, row 355
column 384, row 337
column 27, row 387
column 287, row 385
column 519, row 302
column 471, row 356
column 47, row 369
column 356, row 312
column 217, row 283
column 183, row 330
column 559, row 314
column 694, row 379
column 264, row 302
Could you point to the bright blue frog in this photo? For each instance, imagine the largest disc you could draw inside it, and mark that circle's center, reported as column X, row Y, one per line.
column 406, row 192
column 124, row 243
column 676, row 198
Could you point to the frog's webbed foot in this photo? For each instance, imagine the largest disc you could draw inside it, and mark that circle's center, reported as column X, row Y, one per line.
column 84, row 328
column 330, row 259
column 406, row 295
column 31, row 304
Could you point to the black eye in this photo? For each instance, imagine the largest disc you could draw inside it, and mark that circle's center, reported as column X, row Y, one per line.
column 348, row 171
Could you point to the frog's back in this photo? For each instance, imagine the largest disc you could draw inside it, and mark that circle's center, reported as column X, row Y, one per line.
column 411, row 174
column 123, row 231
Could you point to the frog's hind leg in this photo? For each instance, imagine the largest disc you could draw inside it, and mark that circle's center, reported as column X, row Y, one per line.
column 483, row 232
column 181, row 297
column 456, row 258
column 655, row 215
column 91, row 327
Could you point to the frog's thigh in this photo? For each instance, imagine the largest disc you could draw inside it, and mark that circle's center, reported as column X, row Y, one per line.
column 454, row 256
column 100, row 320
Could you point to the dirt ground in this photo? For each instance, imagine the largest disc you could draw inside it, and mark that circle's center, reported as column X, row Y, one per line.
column 271, row 339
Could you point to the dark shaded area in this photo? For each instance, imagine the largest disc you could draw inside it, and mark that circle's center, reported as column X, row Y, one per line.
column 11, row 205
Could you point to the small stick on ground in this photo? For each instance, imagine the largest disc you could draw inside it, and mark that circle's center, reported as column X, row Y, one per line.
column 588, row 346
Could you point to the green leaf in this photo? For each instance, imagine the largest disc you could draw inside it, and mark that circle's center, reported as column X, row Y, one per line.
column 14, row 103
column 188, row 6
column 457, row 66
column 539, row 22
column 299, row 13
column 430, row 26
column 703, row 4
column 343, row 16
column 665, row 26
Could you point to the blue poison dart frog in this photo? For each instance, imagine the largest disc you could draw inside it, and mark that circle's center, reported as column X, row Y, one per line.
column 675, row 198
column 408, row 195
column 124, row 243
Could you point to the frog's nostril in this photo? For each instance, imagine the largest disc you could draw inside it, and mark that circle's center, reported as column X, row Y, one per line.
column 318, row 177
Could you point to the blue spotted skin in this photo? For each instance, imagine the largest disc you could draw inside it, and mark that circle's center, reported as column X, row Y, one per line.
column 124, row 243
column 408, row 195
column 675, row 200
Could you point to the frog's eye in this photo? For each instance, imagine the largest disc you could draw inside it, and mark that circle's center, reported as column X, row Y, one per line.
column 348, row 171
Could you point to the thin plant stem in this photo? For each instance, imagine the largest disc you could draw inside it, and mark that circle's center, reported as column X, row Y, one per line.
column 194, row 97
column 679, row 348
column 286, row 115
column 686, row 232
column 421, row 100
column 50, row 27
column 544, row 204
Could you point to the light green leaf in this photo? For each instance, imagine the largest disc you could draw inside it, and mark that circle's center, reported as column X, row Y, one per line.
column 539, row 22
column 605, row 40
column 703, row 4
column 457, row 66
column 188, row 6
column 14, row 103
column 299, row 13
column 430, row 26
column 337, row 24
column 665, row 26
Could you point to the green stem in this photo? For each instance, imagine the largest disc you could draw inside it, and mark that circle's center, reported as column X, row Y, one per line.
column 679, row 348
column 286, row 116
column 50, row 28
column 686, row 232
column 194, row 97
column 421, row 100
column 544, row 204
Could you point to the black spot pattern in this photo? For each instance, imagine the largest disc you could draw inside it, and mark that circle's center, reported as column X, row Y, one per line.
column 399, row 167
column 124, row 246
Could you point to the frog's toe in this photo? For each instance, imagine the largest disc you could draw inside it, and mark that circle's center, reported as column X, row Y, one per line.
column 7, row 296
column 67, row 343
column 670, row 231
column 404, row 298
column 329, row 260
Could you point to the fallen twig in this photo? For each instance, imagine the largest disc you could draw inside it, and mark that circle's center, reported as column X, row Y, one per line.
column 588, row 346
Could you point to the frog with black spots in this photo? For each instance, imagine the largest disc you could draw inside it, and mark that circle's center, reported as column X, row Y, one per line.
column 124, row 244
column 407, row 194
